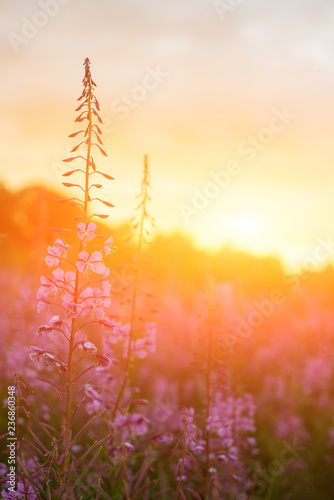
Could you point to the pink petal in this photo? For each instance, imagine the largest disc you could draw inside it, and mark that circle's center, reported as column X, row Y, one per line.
column 83, row 255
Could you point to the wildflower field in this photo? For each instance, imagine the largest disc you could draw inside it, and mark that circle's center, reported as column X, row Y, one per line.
column 136, row 366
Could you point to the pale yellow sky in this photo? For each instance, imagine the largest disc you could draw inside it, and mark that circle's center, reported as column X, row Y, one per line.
column 193, row 88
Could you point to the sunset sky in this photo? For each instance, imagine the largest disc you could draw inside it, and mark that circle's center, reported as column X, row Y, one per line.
column 245, row 96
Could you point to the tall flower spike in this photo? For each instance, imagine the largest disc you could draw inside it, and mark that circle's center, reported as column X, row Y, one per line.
column 69, row 290
column 142, row 222
column 89, row 109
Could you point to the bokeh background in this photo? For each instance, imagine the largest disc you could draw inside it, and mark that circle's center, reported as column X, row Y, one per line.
column 224, row 72
column 233, row 102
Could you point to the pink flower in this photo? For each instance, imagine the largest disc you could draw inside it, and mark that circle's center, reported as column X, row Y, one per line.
column 86, row 232
column 69, row 277
column 140, row 348
column 62, row 279
column 47, row 358
column 42, row 306
column 47, row 290
column 139, row 423
column 44, row 331
column 56, row 322
column 52, row 259
column 103, row 360
column 90, row 392
column 88, row 347
column 123, row 330
column 151, row 329
column 67, row 296
column 21, row 492
column 93, row 406
column 58, row 275
column 143, row 347
column 35, row 352
column 62, row 246
column 94, row 403
column 56, row 252
column 119, row 332
column 134, row 424
column 188, row 415
column 61, row 367
column 99, row 305
column 146, row 344
column 108, row 325
column 86, row 299
column 107, row 247
column 65, row 282
column 90, row 262
column 72, row 309
column 94, row 301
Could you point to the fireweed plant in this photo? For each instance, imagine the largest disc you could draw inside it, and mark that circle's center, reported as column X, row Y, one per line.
column 132, row 338
column 216, row 443
column 78, row 294
column 142, row 222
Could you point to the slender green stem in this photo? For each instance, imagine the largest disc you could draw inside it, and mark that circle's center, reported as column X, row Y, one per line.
column 75, row 298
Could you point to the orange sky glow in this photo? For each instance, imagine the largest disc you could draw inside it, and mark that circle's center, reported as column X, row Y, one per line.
column 234, row 109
